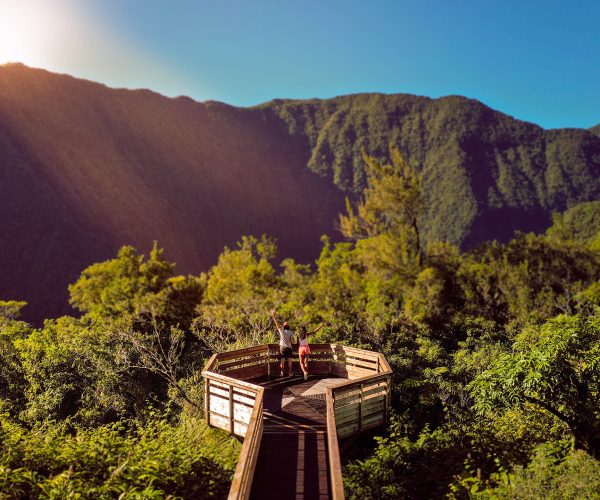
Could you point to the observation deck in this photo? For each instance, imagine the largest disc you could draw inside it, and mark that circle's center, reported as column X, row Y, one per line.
column 291, row 426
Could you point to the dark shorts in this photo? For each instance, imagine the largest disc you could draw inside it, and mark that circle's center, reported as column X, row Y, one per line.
column 285, row 352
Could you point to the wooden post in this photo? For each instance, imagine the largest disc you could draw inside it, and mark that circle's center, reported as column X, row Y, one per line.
column 360, row 403
column 207, row 400
column 231, row 423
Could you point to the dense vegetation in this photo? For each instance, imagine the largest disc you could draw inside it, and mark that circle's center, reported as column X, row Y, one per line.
column 495, row 352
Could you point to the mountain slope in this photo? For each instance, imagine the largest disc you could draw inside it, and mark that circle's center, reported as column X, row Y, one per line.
column 595, row 130
column 85, row 169
column 485, row 174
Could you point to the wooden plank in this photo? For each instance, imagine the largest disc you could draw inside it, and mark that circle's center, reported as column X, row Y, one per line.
column 238, row 390
column 248, row 372
column 356, row 418
column 349, row 352
column 210, row 363
column 340, row 421
column 242, row 413
column 368, row 378
column 217, row 377
column 364, row 356
column 239, row 429
column 318, row 369
column 242, row 398
column 236, row 363
column 220, row 406
column 370, row 367
column 335, row 466
column 217, row 393
column 367, row 407
column 385, row 366
column 229, row 355
column 220, row 392
column 219, row 421
column 347, row 430
column 206, row 398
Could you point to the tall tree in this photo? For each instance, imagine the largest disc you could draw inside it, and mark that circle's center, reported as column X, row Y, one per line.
column 555, row 367
column 385, row 223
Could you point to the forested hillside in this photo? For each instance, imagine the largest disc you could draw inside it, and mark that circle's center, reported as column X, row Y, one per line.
column 485, row 174
column 85, row 169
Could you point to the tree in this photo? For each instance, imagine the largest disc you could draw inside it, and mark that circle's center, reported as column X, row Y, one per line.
column 12, row 381
column 555, row 367
column 386, row 219
column 240, row 292
column 117, row 286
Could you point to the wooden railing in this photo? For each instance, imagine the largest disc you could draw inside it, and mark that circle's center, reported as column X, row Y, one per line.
column 233, row 404
column 244, row 471
column 363, row 402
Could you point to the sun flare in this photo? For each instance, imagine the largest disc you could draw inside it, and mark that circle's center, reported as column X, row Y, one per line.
column 35, row 32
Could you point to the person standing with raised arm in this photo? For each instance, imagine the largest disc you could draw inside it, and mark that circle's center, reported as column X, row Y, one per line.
column 286, row 336
column 304, row 348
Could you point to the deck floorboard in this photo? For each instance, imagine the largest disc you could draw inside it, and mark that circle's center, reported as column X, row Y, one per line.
column 292, row 460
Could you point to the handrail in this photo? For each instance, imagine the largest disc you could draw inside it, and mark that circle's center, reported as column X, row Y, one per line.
column 333, row 451
column 241, row 485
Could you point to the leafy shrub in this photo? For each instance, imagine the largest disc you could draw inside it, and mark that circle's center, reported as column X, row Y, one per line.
column 154, row 459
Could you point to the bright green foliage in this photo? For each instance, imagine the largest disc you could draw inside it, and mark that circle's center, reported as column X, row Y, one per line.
column 581, row 223
column 406, row 468
column 128, row 460
column 240, row 292
column 386, row 220
column 118, row 286
column 12, row 377
column 530, row 278
column 550, row 475
column 56, row 368
column 555, row 367
column 483, row 370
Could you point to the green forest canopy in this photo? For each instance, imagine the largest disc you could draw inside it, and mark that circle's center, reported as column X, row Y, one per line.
column 495, row 352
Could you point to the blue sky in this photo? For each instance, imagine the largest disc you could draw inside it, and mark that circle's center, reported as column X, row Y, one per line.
column 535, row 60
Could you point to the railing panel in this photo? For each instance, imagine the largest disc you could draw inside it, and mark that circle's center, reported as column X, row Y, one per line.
column 244, row 472
column 229, row 403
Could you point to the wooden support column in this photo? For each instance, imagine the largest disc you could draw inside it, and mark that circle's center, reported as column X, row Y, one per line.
column 231, row 423
column 360, row 407
column 207, row 400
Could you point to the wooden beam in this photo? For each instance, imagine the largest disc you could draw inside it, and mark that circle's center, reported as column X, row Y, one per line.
column 333, row 451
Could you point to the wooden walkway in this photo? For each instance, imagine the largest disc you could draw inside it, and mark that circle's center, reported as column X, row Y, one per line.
column 292, row 427
column 292, row 460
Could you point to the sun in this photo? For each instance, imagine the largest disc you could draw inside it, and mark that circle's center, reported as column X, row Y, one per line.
column 32, row 31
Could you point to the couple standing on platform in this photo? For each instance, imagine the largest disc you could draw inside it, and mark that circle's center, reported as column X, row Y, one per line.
column 286, row 336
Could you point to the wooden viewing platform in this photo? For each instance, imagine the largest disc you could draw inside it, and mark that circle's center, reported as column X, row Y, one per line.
column 291, row 426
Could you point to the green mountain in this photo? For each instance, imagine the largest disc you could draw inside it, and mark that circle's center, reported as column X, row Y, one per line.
column 85, row 169
column 485, row 174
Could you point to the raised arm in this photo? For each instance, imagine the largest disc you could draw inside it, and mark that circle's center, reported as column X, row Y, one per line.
column 277, row 325
column 316, row 329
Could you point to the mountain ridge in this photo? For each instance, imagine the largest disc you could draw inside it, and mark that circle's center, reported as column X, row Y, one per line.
column 86, row 168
